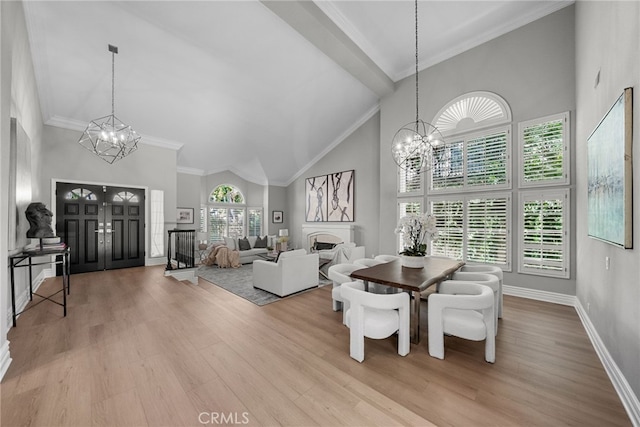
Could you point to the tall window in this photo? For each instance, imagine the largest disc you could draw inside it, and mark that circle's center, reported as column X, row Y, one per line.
column 228, row 216
column 407, row 206
column 473, row 227
column 473, row 218
column 544, row 151
column 544, row 159
column 544, row 245
column 477, row 161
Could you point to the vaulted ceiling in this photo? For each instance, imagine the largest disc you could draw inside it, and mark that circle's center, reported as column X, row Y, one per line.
column 260, row 88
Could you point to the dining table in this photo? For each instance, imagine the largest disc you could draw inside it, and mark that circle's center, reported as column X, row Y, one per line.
column 412, row 280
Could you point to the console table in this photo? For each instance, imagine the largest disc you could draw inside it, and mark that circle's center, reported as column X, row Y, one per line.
column 25, row 259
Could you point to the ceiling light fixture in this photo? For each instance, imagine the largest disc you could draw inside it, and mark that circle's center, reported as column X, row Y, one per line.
column 417, row 146
column 108, row 137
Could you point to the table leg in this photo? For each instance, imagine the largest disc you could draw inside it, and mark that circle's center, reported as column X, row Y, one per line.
column 13, row 294
column 415, row 318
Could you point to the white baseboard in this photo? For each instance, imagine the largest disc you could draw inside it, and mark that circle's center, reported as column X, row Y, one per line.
column 183, row 274
column 22, row 299
column 156, row 261
column 5, row 359
column 625, row 392
column 627, row 396
column 546, row 296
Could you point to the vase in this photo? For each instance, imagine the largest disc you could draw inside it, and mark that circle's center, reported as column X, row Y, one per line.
column 412, row 261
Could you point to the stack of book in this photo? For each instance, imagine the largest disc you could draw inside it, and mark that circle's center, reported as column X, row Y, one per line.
column 45, row 244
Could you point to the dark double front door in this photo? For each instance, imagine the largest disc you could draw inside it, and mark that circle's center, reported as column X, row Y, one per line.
column 103, row 225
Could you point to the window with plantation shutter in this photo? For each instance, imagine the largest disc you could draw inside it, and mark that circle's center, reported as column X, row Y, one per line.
column 478, row 161
column 409, row 181
column 255, row 222
column 487, row 230
column 544, row 245
column 544, row 151
column 407, row 206
column 450, row 223
column 449, row 174
column 473, row 228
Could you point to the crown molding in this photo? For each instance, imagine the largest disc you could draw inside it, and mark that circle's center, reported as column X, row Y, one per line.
column 77, row 125
column 549, row 8
column 190, row 171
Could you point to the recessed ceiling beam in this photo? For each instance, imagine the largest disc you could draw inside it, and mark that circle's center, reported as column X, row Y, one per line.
column 314, row 25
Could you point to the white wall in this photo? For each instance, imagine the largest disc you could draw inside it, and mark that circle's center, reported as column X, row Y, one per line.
column 607, row 40
column 532, row 68
column 188, row 197
column 18, row 98
column 359, row 151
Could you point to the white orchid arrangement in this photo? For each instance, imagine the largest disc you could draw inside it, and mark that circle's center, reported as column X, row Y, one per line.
column 415, row 228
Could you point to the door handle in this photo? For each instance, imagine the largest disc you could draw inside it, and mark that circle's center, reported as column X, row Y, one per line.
column 99, row 231
column 108, row 231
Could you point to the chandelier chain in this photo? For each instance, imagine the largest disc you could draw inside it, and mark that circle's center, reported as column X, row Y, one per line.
column 113, row 83
column 416, row 15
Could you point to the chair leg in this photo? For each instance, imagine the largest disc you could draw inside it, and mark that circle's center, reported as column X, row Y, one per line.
column 490, row 348
column 337, row 305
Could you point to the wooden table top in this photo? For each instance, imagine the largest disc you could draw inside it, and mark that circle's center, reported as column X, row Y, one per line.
column 411, row 279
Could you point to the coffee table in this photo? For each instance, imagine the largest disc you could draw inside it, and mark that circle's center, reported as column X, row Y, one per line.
column 412, row 280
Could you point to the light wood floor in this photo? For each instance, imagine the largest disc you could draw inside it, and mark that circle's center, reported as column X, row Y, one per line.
column 140, row 349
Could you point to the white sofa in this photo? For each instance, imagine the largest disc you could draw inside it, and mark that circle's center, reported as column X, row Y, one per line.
column 295, row 271
column 249, row 255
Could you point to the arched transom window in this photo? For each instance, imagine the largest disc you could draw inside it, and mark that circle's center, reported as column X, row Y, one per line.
column 226, row 194
column 474, row 110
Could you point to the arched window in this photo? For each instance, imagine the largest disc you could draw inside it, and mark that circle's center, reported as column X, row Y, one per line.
column 80, row 193
column 125, row 196
column 226, row 194
column 228, row 216
column 471, row 111
column 469, row 193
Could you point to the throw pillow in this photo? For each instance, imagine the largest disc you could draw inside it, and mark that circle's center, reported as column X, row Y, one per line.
column 243, row 244
column 230, row 242
column 261, row 242
column 319, row 246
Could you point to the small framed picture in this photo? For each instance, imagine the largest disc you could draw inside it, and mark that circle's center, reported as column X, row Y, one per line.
column 277, row 217
column 184, row 216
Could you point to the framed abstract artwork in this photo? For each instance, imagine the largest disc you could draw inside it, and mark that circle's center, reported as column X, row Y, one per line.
column 609, row 174
column 340, row 197
column 277, row 217
column 316, row 198
column 330, row 197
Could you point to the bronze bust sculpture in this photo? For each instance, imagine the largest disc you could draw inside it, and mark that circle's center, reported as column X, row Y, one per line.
column 39, row 218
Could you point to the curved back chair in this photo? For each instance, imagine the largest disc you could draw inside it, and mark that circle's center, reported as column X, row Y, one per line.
column 463, row 309
column 339, row 274
column 374, row 287
column 367, row 262
column 375, row 316
column 488, row 269
column 484, row 279
column 386, row 258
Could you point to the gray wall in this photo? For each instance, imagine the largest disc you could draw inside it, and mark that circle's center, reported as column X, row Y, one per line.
column 150, row 166
column 532, row 68
column 607, row 35
column 359, row 151
column 277, row 201
column 189, row 197
column 18, row 98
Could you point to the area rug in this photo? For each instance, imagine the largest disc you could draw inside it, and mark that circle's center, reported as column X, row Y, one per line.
column 239, row 281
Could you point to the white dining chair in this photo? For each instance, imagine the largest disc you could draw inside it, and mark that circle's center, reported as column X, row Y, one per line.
column 462, row 309
column 375, row 287
column 386, row 258
column 484, row 279
column 339, row 274
column 488, row 269
column 375, row 316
